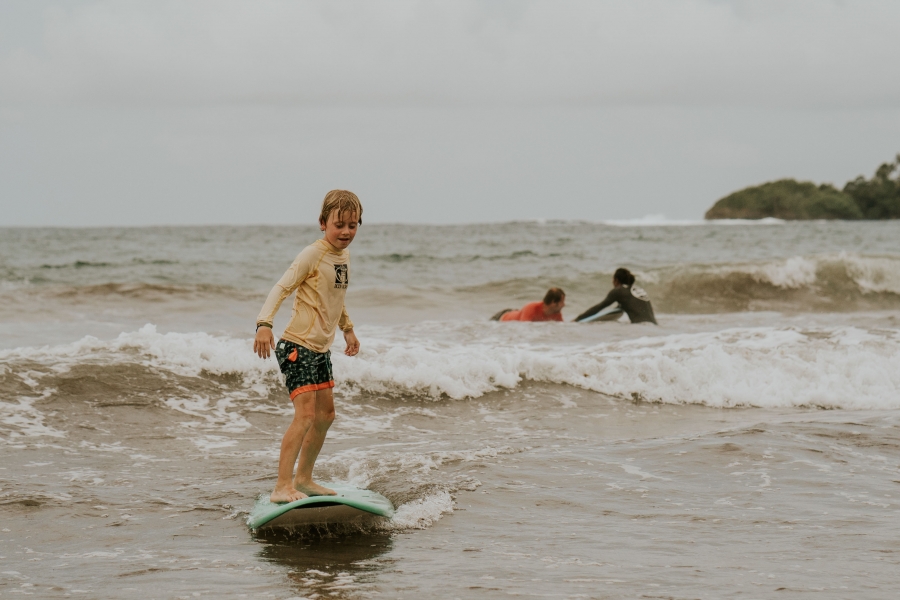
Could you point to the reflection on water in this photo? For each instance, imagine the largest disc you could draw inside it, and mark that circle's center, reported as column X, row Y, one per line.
column 328, row 567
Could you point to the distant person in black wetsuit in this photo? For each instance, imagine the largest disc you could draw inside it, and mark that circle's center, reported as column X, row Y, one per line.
column 632, row 299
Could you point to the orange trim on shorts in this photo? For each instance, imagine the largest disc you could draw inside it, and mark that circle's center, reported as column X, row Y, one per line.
column 313, row 387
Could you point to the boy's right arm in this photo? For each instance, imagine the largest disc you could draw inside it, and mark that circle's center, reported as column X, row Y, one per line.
column 299, row 270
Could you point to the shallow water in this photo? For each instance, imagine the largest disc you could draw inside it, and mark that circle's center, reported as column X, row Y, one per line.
column 725, row 453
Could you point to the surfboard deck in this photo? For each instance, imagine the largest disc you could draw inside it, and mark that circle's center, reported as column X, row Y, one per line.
column 352, row 504
column 613, row 312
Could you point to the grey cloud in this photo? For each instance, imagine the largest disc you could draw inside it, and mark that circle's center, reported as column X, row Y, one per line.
column 141, row 112
column 763, row 53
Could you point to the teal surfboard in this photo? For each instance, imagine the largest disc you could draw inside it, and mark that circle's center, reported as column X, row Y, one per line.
column 351, row 505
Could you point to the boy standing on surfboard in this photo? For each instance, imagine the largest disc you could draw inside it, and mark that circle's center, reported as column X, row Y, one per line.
column 320, row 275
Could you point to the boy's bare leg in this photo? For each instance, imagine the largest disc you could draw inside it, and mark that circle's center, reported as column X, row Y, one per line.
column 312, row 444
column 304, row 416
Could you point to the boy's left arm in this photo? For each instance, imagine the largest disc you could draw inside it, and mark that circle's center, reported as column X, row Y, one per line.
column 346, row 326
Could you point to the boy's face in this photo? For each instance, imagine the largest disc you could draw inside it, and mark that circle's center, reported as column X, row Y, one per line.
column 340, row 229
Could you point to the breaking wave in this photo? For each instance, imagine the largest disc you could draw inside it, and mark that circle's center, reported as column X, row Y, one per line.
column 840, row 367
column 842, row 282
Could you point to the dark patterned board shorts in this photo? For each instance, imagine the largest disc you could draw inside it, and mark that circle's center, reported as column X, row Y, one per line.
column 303, row 369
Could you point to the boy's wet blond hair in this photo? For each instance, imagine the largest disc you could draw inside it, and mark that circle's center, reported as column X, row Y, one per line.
column 340, row 201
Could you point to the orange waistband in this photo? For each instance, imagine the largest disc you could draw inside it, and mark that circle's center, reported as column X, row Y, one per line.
column 312, row 388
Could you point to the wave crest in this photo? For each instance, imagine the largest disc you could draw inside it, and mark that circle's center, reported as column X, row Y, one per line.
column 842, row 367
column 755, row 367
column 843, row 282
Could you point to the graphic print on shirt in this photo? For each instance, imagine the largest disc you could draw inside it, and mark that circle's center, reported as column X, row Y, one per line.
column 341, row 276
column 639, row 293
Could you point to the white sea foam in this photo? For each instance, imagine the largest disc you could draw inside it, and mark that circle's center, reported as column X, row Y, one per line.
column 187, row 354
column 20, row 418
column 841, row 367
column 871, row 274
column 763, row 367
column 763, row 221
column 214, row 415
column 656, row 220
column 417, row 465
column 423, row 512
column 414, row 460
column 795, row 272
column 210, row 443
column 660, row 220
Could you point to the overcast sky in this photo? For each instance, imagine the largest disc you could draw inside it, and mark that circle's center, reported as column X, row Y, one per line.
column 193, row 112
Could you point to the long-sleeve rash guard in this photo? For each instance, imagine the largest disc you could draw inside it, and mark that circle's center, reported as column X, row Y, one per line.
column 320, row 275
column 634, row 302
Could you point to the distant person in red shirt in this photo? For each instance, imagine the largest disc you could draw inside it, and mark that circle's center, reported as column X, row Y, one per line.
column 550, row 309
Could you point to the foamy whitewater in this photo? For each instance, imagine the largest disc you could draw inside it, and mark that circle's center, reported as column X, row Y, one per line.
column 747, row 445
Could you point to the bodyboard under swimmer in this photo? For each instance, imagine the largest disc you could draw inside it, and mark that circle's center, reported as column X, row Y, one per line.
column 613, row 312
column 351, row 505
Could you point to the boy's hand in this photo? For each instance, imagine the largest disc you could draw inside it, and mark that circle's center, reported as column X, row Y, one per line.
column 352, row 343
column 264, row 342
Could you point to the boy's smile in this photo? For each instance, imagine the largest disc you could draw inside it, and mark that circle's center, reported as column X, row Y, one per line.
column 340, row 229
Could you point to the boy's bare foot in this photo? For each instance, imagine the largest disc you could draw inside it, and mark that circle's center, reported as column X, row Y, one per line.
column 286, row 494
column 311, row 488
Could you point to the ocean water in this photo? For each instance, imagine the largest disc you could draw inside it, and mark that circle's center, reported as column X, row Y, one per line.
column 748, row 446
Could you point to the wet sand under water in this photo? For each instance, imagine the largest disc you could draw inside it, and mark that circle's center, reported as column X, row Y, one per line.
column 545, row 492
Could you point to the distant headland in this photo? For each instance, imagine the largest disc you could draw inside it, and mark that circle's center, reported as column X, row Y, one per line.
column 875, row 198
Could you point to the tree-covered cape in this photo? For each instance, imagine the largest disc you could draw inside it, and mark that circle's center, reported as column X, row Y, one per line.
column 875, row 198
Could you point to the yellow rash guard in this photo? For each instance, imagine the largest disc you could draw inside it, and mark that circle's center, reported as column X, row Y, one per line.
column 320, row 274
